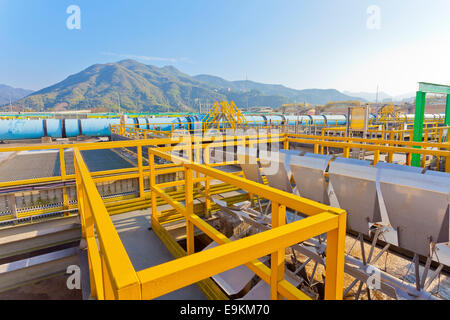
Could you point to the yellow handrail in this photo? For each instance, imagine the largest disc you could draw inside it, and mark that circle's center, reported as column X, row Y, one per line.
column 113, row 277
column 111, row 273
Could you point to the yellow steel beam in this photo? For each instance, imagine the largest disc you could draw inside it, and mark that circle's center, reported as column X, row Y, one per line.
column 117, row 267
column 373, row 147
column 370, row 141
column 292, row 201
column 335, row 260
column 162, row 279
column 277, row 257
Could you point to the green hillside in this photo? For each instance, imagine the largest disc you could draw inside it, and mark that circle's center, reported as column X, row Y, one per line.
column 139, row 87
column 147, row 88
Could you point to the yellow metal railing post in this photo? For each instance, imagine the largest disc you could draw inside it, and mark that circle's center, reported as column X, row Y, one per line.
column 323, row 137
column 207, row 184
column 346, row 153
column 335, row 259
column 376, row 157
column 62, row 166
column 316, row 148
column 189, row 202
column 80, row 199
column 390, row 157
column 277, row 258
column 151, row 163
column 90, row 236
column 141, row 172
column 423, row 160
column 447, row 164
column 286, row 142
column 408, row 159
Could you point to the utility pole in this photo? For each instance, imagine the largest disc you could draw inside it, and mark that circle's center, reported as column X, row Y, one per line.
column 246, row 88
column 118, row 100
column 377, row 96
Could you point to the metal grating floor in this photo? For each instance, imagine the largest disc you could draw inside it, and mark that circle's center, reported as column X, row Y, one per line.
column 41, row 164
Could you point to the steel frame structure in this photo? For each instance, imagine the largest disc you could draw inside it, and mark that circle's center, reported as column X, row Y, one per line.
column 425, row 88
column 113, row 277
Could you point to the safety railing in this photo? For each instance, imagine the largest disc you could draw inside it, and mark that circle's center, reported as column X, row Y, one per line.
column 377, row 146
column 320, row 144
column 111, row 273
column 433, row 133
column 139, row 171
column 113, row 277
column 404, row 120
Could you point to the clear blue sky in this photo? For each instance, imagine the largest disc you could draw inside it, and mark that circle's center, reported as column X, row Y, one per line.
column 300, row 44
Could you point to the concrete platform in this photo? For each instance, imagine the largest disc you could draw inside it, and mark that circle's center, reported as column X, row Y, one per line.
column 54, row 288
column 146, row 250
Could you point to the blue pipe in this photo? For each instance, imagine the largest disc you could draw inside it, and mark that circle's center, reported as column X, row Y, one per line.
column 67, row 128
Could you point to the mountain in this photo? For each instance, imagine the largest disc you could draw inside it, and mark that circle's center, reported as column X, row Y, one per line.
column 138, row 87
column 382, row 96
column 370, row 96
column 147, row 88
column 312, row 96
column 7, row 93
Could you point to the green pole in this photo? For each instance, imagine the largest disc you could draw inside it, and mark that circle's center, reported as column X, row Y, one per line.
column 418, row 125
column 447, row 111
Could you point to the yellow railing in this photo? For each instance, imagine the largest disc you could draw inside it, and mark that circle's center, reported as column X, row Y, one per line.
column 319, row 144
column 378, row 146
column 107, row 273
column 113, row 277
column 138, row 171
column 429, row 133
column 111, row 273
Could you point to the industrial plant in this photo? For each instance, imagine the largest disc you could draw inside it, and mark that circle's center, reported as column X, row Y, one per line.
column 227, row 205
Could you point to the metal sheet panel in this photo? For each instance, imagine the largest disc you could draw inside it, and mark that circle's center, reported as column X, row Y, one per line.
column 353, row 161
column 318, row 156
column 287, row 159
column 234, row 280
column 394, row 166
column 355, row 189
column 308, row 173
column 438, row 173
column 273, row 166
column 247, row 159
column 417, row 206
column 221, row 156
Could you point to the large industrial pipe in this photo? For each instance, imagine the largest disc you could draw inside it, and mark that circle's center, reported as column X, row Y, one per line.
column 66, row 128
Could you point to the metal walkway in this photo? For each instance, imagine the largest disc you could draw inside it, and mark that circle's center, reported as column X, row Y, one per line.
column 146, row 250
